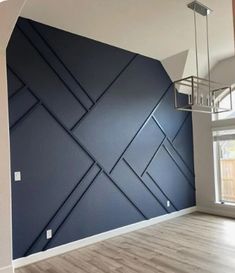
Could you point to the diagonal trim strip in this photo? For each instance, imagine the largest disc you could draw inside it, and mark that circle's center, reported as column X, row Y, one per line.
column 52, row 68
column 181, row 158
column 152, row 158
column 17, row 91
column 140, row 179
column 60, row 60
column 141, row 128
column 189, row 182
column 71, row 210
column 103, row 93
column 59, row 208
column 181, row 126
column 91, row 156
column 25, row 115
column 186, row 165
column 161, row 190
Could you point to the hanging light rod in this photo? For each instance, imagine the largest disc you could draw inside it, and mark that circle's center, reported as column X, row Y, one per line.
column 200, row 8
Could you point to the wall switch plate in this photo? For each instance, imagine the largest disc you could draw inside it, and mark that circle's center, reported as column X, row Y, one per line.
column 49, row 234
column 17, row 176
column 168, row 203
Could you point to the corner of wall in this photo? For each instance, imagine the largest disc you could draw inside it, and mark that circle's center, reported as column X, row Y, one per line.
column 7, row 269
column 175, row 65
column 203, row 159
column 9, row 13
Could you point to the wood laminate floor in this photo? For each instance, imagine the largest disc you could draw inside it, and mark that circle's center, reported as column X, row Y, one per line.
column 193, row 243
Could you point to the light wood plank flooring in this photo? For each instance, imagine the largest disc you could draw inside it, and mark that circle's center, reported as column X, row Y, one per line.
column 193, row 243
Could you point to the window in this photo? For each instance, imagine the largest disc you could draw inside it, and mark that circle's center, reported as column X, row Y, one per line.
column 224, row 151
column 225, row 103
column 224, row 148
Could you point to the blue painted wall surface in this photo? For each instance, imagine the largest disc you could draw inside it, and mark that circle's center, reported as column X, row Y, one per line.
column 95, row 135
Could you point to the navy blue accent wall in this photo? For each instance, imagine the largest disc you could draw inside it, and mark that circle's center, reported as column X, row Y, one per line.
column 95, row 135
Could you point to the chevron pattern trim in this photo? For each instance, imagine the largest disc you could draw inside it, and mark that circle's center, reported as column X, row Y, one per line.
column 95, row 135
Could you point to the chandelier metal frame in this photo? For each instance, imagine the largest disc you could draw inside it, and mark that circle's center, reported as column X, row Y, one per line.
column 198, row 94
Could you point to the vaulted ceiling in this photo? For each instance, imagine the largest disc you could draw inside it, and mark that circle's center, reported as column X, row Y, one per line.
column 155, row 28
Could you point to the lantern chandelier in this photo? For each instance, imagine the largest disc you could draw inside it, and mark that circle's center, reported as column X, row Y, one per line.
column 199, row 94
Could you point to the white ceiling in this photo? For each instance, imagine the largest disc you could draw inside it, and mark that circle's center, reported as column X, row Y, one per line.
column 156, row 28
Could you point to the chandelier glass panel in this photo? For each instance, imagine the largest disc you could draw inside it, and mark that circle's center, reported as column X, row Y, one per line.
column 199, row 94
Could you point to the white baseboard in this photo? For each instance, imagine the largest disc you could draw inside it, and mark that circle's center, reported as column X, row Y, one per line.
column 7, row 269
column 219, row 210
column 97, row 238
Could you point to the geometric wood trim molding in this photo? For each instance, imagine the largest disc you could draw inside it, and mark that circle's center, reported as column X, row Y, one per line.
column 95, row 135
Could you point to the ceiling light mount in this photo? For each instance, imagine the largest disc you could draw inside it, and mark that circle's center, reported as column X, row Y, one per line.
column 199, row 8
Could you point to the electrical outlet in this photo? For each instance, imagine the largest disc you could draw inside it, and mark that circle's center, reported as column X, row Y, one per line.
column 168, row 203
column 49, row 234
column 17, row 176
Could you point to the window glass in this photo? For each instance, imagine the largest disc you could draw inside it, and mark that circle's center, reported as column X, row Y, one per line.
column 224, row 145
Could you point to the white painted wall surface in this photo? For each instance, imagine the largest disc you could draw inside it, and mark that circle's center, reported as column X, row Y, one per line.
column 9, row 12
column 5, row 186
column 223, row 72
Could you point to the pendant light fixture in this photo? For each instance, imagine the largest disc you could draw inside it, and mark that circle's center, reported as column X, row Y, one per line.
column 199, row 94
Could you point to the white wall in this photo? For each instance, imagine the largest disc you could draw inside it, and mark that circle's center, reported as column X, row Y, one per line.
column 9, row 12
column 223, row 72
column 5, row 190
column 183, row 65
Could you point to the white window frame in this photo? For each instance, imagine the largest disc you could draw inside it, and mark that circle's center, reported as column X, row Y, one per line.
column 220, row 125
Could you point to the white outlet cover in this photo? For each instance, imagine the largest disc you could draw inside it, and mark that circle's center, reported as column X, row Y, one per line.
column 17, row 176
column 168, row 203
column 49, row 234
